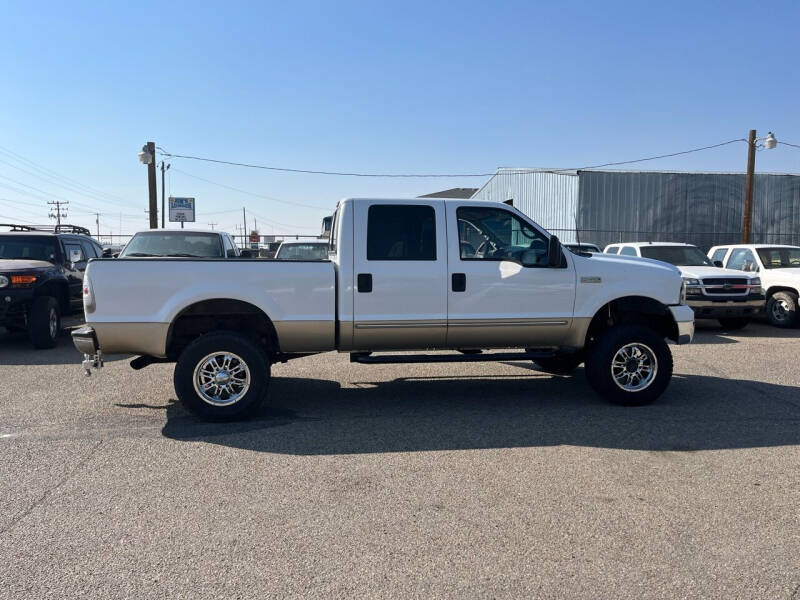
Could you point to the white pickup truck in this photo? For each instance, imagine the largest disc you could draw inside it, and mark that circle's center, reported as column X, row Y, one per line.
column 422, row 274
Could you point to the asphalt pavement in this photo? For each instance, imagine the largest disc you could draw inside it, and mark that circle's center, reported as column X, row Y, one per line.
column 478, row 480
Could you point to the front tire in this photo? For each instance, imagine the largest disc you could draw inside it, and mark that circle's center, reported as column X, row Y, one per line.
column 733, row 323
column 629, row 365
column 782, row 309
column 44, row 324
column 222, row 376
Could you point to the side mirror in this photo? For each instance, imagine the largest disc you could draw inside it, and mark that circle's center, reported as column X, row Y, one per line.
column 554, row 254
column 246, row 253
column 230, row 253
column 718, row 263
column 107, row 253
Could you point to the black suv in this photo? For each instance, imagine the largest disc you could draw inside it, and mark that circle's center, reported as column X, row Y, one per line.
column 41, row 278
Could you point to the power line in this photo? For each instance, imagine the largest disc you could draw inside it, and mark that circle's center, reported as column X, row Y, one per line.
column 431, row 175
column 241, row 191
column 782, row 143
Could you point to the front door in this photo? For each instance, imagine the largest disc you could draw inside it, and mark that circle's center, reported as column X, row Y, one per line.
column 400, row 266
column 74, row 273
column 502, row 293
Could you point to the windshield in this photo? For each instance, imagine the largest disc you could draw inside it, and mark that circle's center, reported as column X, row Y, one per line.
column 680, row 256
column 30, row 247
column 302, row 252
column 195, row 245
column 779, row 258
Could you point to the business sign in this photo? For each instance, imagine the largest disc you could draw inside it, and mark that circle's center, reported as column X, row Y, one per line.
column 181, row 210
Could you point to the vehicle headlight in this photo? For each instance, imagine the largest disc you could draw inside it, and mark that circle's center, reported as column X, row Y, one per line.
column 755, row 281
column 691, row 281
column 3, row 281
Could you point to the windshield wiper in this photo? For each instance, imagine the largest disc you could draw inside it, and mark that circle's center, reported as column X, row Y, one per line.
column 184, row 255
column 138, row 254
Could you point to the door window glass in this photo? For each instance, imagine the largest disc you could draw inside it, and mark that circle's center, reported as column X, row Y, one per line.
column 719, row 254
column 401, row 232
column 628, row 251
column 88, row 250
column 69, row 248
column 612, row 250
column 497, row 234
column 742, row 260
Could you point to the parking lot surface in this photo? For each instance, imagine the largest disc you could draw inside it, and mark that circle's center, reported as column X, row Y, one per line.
column 464, row 480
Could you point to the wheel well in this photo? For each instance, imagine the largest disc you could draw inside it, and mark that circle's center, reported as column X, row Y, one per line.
column 781, row 288
column 59, row 291
column 220, row 315
column 638, row 310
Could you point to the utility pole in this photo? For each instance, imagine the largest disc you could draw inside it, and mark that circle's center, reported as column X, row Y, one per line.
column 747, row 218
column 244, row 230
column 163, row 210
column 768, row 143
column 58, row 215
column 148, row 157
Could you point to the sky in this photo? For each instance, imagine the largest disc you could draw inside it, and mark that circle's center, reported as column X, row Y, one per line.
column 373, row 87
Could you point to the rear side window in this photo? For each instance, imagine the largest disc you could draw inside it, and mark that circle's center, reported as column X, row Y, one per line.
column 89, row 250
column 612, row 250
column 719, row 254
column 401, row 232
column 628, row 251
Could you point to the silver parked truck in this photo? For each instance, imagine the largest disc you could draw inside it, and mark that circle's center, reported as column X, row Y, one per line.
column 401, row 275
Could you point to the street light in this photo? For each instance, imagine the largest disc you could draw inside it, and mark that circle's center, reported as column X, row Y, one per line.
column 148, row 157
column 145, row 157
column 769, row 143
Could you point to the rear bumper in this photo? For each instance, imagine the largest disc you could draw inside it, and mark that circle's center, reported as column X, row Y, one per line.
column 684, row 321
column 85, row 340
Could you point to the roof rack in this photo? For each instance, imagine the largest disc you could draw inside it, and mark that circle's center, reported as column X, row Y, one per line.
column 54, row 228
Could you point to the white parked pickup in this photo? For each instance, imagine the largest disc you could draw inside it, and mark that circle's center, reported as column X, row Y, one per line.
column 779, row 270
column 422, row 274
column 731, row 297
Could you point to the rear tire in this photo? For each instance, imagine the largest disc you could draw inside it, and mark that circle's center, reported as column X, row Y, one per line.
column 44, row 323
column 734, row 324
column 629, row 365
column 782, row 309
column 559, row 365
column 222, row 376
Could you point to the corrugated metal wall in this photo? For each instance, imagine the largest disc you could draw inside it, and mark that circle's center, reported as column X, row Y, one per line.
column 612, row 206
column 550, row 199
column 704, row 209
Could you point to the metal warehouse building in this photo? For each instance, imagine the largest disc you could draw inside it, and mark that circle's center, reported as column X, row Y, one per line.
column 610, row 206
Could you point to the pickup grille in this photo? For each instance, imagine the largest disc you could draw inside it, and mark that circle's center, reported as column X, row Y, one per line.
column 729, row 286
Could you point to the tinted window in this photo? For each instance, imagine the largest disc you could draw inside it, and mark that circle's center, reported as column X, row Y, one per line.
column 88, row 249
column 612, row 250
column 628, row 251
column 719, row 254
column 742, row 259
column 401, row 232
column 190, row 244
column 498, row 234
column 31, row 247
column 683, row 256
column 779, row 258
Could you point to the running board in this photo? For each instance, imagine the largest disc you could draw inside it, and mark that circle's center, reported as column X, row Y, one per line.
column 369, row 359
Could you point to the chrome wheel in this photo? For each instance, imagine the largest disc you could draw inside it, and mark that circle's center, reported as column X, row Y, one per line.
column 780, row 309
column 634, row 367
column 221, row 378
column 53, row 323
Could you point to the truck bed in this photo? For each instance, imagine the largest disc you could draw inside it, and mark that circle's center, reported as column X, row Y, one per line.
column 137, row 299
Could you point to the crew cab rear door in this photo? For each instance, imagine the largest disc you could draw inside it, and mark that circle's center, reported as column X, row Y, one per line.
column 400, row 268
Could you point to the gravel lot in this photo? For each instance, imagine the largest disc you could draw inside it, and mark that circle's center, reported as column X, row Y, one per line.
column 474, row 480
